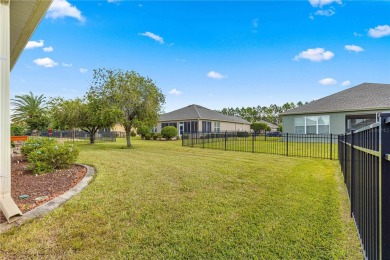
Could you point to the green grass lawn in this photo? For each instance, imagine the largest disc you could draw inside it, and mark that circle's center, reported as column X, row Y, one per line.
column 271, row 145
column 160, row 200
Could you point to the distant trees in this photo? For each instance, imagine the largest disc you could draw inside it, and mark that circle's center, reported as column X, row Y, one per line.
column 254, row 114
column 258, row 127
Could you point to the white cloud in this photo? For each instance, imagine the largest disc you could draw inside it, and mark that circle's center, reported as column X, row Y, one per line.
column 354, row 48
column 83, row 70
column 175, row 92
column 328, row 12
column 45, row 62
column 328, row 81
column 346, row 83
column 215, row 75
column 113, row 1
column 320, row 3
column 48, row 49
column 66, row 65
column 153, row 36
column 357, row 34
column 62, row 8
column 317, row 54
column 379, row 31
column 34, row 44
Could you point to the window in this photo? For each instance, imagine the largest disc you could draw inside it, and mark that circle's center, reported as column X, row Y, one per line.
column 217, row 127
column 191, row 126
column 312, row 125
column 206, row 126
column 168, row 124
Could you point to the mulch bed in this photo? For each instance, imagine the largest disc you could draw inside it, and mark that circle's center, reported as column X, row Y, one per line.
column 52, row 185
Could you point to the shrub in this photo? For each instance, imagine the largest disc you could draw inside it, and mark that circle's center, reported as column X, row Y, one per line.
column 148, row 136
column 155, row 136
column 242, row 134
column 18, row 129
column 169, row 132
column 133, row 133
column 33, row 144
column 47, row 154
column 143, row 130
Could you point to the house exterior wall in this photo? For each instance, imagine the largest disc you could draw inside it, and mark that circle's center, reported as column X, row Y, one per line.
column 337, row 120
column 224, row 126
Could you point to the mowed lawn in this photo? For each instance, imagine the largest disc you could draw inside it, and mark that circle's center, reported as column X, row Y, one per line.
column 160, row 200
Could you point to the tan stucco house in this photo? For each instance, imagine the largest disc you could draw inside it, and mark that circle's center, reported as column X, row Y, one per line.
column 195, row 118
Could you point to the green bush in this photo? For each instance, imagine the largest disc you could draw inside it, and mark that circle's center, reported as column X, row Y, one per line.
column 47, row 154
column 169, row 132
column 143, row 130
column 148, row 136
column 33, row 144
column 133, row 133
column 18, row 129
column 155, row 136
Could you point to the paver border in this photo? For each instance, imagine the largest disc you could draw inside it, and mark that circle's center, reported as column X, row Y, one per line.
column 52, row 204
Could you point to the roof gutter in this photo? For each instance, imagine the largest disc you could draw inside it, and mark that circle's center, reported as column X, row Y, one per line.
column 336, row 111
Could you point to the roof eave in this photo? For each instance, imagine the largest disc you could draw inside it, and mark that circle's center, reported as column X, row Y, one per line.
column 336, row 111
column 36, row 16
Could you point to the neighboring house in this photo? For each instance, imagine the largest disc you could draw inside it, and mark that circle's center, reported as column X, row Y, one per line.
column 195, row 118
column 341, row 112
column 273, row 127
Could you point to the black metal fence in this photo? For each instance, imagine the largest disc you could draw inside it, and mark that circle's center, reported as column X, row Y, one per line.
column 298, row 145
column 364, row 158
column 73, row 135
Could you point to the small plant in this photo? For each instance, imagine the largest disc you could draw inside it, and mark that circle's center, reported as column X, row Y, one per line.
column 47, row 154
column 148, row 136
column 155, row 136
column 133, row 133
column 169, row 132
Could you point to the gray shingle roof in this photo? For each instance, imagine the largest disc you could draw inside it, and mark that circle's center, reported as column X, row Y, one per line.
column 268, row 123
column 366, row 96
column 195, row 112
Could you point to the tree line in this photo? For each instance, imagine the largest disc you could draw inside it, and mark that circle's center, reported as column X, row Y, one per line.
column 269, row 114
column 115, row 96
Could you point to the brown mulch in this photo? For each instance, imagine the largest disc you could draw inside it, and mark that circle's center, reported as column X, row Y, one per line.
column 52, row 185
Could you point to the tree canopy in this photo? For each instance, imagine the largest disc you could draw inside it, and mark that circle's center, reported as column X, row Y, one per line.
column 137, row 97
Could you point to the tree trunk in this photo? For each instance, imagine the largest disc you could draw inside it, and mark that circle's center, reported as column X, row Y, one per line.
column 128, row 130
column 91, row 138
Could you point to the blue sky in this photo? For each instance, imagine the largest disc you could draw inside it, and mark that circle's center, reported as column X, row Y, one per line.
column 212, row 53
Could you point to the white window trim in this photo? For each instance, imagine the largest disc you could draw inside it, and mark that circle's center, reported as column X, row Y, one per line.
column 305, row 124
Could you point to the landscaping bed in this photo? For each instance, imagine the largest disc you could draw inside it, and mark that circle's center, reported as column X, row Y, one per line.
column 39, row 188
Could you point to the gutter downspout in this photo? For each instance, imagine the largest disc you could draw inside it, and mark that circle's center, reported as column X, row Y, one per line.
column 7, row 204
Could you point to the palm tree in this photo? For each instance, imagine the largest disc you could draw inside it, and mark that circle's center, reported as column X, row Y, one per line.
column 30, row 109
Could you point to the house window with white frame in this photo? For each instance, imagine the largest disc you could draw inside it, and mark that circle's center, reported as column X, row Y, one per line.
column 217, row 127
column 312, row 125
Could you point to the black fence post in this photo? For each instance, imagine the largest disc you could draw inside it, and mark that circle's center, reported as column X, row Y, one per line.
column 286, row 144
column 225, row 139
column 352, row 172
column 182, row 140
column 331, row 142
column 192, row 139
column 384, row 175
column 253, row 142
column 345, row 158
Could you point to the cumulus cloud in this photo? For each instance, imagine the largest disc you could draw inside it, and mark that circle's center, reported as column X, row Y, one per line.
column 317, row 54
column 66, row 64
column 83, row 70
column 353, row 48
column 320, row 3
column 175, row 92
column 379, row 31
column 328, row 12
column 48, row 49
column 153, row 36
column 346, row 83
column 215, row 75
column 45, row 62
column 34, row 44
column 62, row 8
column 327, row 81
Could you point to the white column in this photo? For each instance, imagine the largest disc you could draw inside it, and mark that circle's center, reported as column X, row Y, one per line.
column 7, row 205
column 5, row 153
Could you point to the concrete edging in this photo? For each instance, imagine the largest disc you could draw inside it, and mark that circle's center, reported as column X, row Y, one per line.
column 52, row 204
